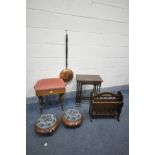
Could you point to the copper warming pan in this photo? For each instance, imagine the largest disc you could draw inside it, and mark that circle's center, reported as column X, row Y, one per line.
column 66, row 74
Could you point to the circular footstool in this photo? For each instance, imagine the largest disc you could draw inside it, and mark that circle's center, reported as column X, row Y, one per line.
column 72, row 118
column 46, row 124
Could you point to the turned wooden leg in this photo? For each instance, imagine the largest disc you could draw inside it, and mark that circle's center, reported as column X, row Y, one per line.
column 91, row 119
column 78, row 94
column 118, row 118
column 61, row 100
column 94, row 89
column 41, row 103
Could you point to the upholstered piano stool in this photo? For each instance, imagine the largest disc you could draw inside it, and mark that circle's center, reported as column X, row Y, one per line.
column 72, row 118
column 46, row 124
column 50, row 86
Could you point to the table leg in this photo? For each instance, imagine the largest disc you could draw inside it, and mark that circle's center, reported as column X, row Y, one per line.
column 61, row 100
column 99, row 86
column 94, row 89
column 41, row 103
column 78, row 94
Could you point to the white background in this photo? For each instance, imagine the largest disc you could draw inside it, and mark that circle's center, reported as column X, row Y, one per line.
column 13, row 77
column 97, row 40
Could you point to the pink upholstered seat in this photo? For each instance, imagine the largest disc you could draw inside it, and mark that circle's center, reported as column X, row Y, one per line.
column 51, row 83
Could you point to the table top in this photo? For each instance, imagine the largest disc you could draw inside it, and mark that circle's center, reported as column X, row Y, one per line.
column 88, row 78
column 50, row 83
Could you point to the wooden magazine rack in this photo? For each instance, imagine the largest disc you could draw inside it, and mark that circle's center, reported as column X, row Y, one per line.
column 105, row 104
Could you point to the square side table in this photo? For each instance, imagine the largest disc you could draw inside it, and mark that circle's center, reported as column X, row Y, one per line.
column 83, row 79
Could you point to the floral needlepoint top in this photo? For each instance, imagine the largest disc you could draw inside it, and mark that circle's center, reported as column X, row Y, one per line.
column 72, row 114
column 46, row 121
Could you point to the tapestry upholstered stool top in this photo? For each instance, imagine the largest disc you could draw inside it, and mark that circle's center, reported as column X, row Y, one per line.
column 46, row 124
column 72, row 118
column 49, row 86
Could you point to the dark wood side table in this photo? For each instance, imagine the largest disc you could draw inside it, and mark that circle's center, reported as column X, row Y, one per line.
column 83, row 79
